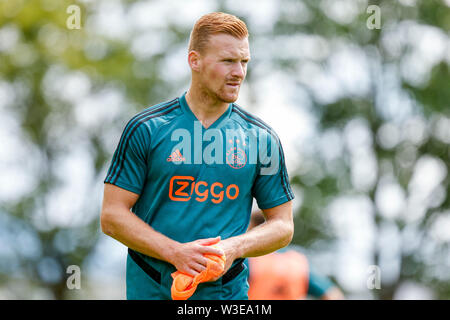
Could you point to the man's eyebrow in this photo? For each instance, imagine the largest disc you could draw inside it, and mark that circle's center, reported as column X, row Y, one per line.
column 234, row 58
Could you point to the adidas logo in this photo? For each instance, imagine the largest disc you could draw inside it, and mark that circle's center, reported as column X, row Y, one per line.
column 176, row 156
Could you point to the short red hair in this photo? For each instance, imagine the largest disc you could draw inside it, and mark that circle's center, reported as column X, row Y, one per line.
column 214, row 23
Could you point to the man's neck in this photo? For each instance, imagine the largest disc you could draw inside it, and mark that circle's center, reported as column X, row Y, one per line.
column 205, row 108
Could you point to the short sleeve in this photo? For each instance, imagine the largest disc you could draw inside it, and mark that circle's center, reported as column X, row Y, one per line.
column 271, row 187
column 128, row 169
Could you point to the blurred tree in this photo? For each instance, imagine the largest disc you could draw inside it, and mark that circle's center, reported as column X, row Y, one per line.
column 70, row 92
column 58, row 78
column 404, row 110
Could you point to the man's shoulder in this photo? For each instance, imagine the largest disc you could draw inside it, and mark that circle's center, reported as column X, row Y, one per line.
column 154, row 115
column 160, row 110
column 250, row 120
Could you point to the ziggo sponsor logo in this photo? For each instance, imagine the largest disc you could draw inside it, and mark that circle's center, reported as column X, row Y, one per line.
column 183, row 188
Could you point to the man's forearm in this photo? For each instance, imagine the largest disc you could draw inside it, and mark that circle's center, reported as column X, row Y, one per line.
column 126, row 227
column 263, row 239
column 129, row 229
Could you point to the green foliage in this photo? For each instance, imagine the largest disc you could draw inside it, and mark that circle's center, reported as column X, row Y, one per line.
column 49, row 122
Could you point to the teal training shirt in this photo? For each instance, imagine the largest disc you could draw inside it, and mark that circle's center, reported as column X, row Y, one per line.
column 196, row 183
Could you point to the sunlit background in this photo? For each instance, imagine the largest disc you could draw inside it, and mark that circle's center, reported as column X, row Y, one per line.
column 363, row 114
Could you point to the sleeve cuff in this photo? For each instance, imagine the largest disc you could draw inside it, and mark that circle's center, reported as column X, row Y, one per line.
column 274, row 203
column 125, row 186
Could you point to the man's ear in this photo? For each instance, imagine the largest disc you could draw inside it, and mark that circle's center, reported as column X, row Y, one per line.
column 194, row 60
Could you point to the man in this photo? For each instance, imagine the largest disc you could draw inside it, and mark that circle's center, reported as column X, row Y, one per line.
column 287, row 275
column 184, row 197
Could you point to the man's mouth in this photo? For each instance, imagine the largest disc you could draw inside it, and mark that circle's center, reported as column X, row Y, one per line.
column 233, row 84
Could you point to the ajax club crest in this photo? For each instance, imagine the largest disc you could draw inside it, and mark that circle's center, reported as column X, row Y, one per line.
column 236, row 157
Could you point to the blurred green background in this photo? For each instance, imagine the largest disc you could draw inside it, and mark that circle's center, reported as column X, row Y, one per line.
column 363, row 114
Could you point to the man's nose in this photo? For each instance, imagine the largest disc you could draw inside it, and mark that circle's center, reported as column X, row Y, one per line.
column 238, row 70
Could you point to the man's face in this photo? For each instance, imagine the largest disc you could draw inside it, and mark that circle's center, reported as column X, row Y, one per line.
column 223, row 66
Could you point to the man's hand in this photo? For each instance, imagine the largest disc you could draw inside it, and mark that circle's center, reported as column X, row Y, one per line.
column 275, row 233
column 230, row 249
column 189, row 257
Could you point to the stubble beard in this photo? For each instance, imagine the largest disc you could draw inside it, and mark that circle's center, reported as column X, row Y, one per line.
column 221, row 96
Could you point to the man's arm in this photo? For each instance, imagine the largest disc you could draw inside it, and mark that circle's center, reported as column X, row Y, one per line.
column 274, row 234
column 256, row 218
column 118, row 222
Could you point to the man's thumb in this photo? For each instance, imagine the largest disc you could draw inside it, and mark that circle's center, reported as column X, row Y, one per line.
column 209, row 241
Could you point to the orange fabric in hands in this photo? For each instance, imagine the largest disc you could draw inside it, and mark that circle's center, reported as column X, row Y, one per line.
column 184, row 285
